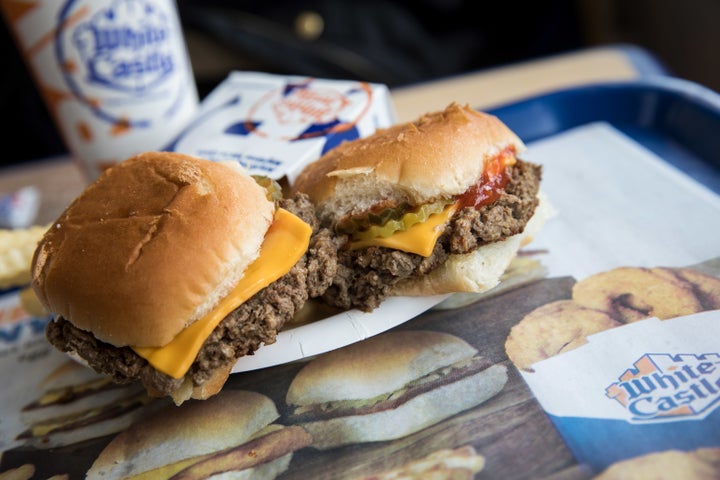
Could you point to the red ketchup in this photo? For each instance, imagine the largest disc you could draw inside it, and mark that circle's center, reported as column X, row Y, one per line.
column 492, row 182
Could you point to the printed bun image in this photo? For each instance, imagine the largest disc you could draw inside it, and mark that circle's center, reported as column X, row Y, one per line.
column 390, row 386
column 168, row 268
column 77, row 405
column 700, row 464
column 438, row 205
column 606, row 300
column 230, row 433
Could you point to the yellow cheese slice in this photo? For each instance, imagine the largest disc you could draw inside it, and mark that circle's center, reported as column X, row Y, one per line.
column 419, row 239
column 286, row 241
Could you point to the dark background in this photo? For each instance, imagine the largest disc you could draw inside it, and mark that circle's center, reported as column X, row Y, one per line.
column 396, row 42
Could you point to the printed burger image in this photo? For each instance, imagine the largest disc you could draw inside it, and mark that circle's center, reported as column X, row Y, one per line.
column 390, row 386
column 78, row 404
column 232, row 433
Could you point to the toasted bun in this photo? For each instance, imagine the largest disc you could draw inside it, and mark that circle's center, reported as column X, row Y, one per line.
column 378, row 365
column 479, row 270
column 171, row 435
column 439, row 155
column 207, row 389
column 151, row 246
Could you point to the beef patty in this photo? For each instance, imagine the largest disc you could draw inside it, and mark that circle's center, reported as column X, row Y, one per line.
column 365, row 276
column 253, row 323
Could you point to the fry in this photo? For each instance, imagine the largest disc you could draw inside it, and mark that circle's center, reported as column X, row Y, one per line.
column 17, row 247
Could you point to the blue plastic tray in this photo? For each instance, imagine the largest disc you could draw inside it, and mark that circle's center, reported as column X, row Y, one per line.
column 676, row 119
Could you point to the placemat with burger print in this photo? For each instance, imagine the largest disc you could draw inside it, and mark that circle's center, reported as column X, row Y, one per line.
column 597, row 356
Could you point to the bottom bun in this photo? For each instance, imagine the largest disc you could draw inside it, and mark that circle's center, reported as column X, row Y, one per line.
column 207, row 389
column 480, row 270
column 412, row 416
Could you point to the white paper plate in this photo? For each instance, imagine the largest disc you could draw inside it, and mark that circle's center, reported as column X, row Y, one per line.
column 336, row 331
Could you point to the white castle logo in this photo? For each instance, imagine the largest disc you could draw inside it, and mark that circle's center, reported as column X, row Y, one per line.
column 126, row 47
column 665, row 387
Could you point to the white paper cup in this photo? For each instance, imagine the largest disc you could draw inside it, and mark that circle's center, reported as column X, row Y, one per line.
column 115, row 74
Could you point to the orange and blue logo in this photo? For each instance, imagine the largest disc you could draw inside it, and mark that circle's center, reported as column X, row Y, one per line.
column 121, row 56
column 664, row 387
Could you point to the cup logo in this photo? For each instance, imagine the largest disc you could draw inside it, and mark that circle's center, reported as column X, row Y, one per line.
column 125, row 53
column 664, row 387
column 125, row 47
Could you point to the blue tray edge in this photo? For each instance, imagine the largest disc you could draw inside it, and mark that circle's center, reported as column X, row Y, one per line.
column 677, row 119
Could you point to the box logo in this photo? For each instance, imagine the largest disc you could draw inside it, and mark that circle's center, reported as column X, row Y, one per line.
column 303, row 110
column 663, row 387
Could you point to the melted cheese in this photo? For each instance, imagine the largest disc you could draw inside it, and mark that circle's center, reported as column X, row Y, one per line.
column 286, row 241
column 419, row 239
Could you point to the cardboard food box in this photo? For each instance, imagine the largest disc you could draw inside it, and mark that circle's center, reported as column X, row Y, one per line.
column 274, row 125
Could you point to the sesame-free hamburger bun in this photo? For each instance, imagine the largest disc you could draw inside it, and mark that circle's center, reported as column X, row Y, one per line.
column 440, row 154
column 167, row 269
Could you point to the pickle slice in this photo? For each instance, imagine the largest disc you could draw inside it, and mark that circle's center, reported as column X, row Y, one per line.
column 352, row 224
column 272, row 187
column 418, row 215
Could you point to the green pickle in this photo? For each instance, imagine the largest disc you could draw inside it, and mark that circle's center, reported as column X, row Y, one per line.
column 273, row 189
column 418, row 215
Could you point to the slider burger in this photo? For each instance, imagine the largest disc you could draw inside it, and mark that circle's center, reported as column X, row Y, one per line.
column 232, row 433
column 438, row 205
column 168, row 268
column 389, row 386
column 78, row 404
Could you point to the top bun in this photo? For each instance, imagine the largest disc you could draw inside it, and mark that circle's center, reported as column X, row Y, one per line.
column 376, row 366
column 439, row 155
column 169, row 436
column 151, row 246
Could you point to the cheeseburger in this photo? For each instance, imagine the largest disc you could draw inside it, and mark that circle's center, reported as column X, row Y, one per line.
column 438, row 205
column 168, row 268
